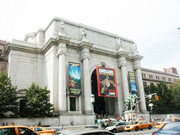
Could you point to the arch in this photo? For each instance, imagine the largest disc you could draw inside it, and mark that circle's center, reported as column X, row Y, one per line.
column 102, row 105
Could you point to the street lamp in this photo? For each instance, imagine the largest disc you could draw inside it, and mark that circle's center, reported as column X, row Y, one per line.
column 93, row 101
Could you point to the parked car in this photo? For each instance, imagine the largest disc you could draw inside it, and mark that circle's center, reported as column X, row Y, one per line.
column 171, row 128
column 116, row 127
column 139, row 125
column 166, row 120
column 16, row 130
column 54, row 128
column 42, row 130
column 83, row 132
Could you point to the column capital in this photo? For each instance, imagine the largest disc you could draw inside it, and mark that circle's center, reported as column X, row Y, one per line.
column 122, row 61
column 85, row 44
column 137, row 64
column 137, row 67
column 62, row 49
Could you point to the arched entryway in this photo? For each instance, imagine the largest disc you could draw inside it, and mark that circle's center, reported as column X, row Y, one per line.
column 102, row 105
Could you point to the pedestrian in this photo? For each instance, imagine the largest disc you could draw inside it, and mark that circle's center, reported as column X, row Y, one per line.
column 72, row 123
column 39, row 124
column 63, row 127
column 118, row 118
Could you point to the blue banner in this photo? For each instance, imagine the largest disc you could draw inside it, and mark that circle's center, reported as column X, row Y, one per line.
column 132, row 82
column 74, row 78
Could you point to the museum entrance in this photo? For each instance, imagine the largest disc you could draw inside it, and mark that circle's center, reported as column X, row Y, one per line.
column 99, row 105
column 102, row 105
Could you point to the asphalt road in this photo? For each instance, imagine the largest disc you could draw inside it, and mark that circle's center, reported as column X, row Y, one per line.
column 140, row 132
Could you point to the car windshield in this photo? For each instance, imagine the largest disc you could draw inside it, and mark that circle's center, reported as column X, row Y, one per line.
column 112, row 124
column 167, row 120
column 136, row 122
column 172, row 126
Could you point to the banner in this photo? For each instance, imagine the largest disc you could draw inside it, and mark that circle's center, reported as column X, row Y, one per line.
column 106, row 79
column 74, row 78
column 132, row 82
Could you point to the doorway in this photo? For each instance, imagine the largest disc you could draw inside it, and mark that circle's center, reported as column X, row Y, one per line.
column 99, row 105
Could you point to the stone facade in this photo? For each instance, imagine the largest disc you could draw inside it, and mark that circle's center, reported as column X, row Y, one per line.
column 3, row 58
column 43, row 57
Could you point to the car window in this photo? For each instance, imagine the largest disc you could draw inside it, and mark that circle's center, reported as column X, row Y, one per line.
column 167, row 119
column 7, row 131
column 145, row 122
column 119, row 124
column 26, row 131
column 38, row 129
column 136, row 122
column 177, row 120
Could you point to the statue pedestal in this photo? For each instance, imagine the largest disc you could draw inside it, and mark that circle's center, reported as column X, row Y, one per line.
column 131, row 115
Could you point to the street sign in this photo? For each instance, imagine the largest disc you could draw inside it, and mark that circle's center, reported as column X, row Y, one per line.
column 151, row 104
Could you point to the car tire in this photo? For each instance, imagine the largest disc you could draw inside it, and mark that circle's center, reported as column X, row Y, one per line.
column 149, row 127
column 136, row 129
column 114, row 130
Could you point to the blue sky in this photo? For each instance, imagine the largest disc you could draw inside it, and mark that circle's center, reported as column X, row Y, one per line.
column 152, row 24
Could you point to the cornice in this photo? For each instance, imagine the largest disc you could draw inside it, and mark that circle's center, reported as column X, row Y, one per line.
column 85, row 44
column 137, row 57
column 122, row 54
column 12, row 46
column 55, row 41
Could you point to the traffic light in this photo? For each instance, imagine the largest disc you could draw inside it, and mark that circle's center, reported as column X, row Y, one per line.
column 156, row 97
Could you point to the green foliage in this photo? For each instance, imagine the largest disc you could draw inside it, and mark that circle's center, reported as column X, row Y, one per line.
column 37, row 102
column 8, row 96
column 164, row 104
column 176, row 95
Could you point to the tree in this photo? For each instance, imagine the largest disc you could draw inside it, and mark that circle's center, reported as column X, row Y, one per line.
column 176, row 95
column 8, row 96
column 37, row 102
column 164, row 104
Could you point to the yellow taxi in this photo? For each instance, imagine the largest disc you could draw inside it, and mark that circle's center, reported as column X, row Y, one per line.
column 139, row 125
column 42, row 130
column 16, row 130
column 167, row 120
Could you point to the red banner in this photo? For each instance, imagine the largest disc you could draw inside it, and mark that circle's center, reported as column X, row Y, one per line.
column 107, row 84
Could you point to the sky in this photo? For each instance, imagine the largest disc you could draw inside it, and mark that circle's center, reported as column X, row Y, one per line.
column 152, row 24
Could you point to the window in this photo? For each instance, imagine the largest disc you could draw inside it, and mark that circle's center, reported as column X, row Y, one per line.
column 72, row 104
column 37, row 129
column 169, row 79
column 26, row 131
column 157, row 77
column 7, row 131
column 144, row 75
column 150, row 76
column 145, row 122
column 163, row 78
column 144, row 84
column 177, row 120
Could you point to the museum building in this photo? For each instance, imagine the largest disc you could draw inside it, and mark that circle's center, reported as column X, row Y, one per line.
column 75, row 61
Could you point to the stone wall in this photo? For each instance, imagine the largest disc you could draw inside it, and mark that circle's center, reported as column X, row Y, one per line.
column 52, row 121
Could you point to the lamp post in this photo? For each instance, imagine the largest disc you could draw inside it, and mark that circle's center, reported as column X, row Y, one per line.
column 93, row 101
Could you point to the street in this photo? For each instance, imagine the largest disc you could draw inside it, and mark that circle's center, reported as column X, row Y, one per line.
column 140, row 132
